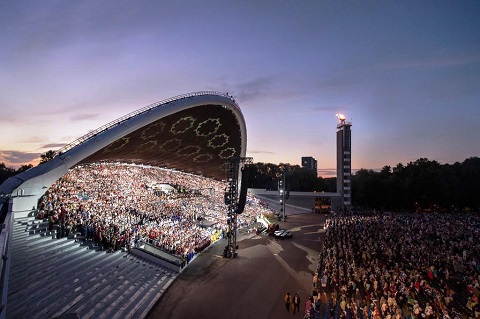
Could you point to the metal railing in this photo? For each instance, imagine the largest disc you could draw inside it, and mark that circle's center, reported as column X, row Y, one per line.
column 135, row 113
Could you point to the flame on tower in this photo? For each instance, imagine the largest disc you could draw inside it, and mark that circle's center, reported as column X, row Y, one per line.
column 341, row 117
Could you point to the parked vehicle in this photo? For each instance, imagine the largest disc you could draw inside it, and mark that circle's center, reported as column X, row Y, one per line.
column 282, row 233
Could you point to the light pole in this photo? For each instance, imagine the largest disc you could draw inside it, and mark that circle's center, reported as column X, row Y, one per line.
column 281, row 192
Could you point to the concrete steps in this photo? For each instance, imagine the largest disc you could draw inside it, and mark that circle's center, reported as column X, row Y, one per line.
column 126, row 279
column 76, row 288
column 50, row 277
column 132, row 295
column 104, row 289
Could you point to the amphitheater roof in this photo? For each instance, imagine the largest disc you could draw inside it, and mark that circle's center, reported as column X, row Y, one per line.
column 196, row 137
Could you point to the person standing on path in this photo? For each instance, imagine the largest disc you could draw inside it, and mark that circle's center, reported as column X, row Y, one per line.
column 296, row 303
column 287, row 301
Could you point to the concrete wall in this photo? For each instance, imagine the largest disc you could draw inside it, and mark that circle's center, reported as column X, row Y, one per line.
column 155, row 259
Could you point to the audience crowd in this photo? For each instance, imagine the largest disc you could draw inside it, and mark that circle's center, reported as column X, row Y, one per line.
column 372, row 266
column 124, row 205
column 392, row 265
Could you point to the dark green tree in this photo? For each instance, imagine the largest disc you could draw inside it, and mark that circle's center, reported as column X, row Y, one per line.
column 5, row 172
column 470, row 186
column 48, row 156
column 267, row 175
column 420, row 185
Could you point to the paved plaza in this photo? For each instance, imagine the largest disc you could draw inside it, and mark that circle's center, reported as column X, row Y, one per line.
column 253, row 284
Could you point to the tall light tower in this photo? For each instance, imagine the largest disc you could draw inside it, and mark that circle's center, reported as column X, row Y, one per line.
column 344, row 160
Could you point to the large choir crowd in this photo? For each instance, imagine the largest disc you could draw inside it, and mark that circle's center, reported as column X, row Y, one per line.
column 124, row 205
column 393, row 265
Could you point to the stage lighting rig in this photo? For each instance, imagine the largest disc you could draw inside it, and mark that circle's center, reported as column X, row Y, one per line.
column 235, row 201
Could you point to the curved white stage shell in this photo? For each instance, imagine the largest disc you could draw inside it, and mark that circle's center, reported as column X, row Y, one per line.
column 26, row 188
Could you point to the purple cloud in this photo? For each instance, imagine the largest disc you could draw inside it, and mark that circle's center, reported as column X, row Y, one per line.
column 17, row 157
column 52, row 146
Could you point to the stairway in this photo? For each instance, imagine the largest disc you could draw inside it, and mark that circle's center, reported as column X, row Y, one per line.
column 53, row 277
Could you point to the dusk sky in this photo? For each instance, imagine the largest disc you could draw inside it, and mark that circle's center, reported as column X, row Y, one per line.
column 405, row 73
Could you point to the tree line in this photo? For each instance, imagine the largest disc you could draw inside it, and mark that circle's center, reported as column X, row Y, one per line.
column 419, row 185
column 422, row 185
column 268, row 175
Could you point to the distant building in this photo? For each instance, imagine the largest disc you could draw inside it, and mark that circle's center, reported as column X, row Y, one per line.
column 309, row 163
column 344, row 159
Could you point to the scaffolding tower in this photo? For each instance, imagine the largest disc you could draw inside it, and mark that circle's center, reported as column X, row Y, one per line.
column 235, row 201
